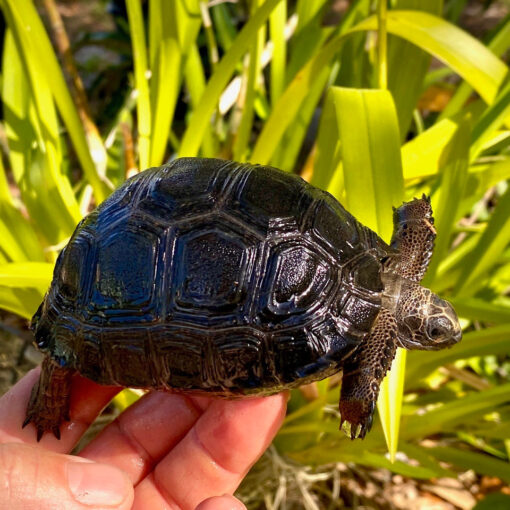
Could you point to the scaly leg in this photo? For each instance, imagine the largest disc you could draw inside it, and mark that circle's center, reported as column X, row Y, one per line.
column 413, row 237
column 49, row 401
column 362, row 375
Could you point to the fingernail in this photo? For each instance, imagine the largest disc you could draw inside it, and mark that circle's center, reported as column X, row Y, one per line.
column 96, row 484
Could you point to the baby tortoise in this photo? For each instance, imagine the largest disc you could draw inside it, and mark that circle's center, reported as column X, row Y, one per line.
column 234, row 280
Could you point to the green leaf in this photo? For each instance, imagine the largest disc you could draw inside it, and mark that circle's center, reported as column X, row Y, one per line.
column 23, row 302
column 370, row 144
column 143, row 106
column 481, row 310
column 475, row 343
column 405, row 81
column 494, row 501
column 277, row 22
column 166, row 82
column 488, row 249
column 424, row 155
column 455, row 414
column 202, row 115
column 38, row 54
column 446, row 202
column 490, row 121
column 466, row 460
column 456, row 48
column 26, row 274
column 35, row 149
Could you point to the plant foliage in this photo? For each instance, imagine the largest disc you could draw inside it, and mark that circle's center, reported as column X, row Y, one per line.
column 349, row 104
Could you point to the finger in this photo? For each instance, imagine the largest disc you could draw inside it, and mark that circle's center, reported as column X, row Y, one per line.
column 87, row 401
column 225, row 502
column 32, row 478
column 144, row 433
column 216, row 453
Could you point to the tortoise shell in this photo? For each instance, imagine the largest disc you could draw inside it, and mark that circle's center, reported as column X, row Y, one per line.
column 213, row 276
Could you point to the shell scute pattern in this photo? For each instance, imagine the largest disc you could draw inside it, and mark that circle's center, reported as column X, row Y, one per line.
column 269, row 201
column 191, row 189
column 336, row 229
column 212, row 267
column 295, row 276
column 210, row 275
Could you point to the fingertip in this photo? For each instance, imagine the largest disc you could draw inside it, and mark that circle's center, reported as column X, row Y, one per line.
column 225, row 502
column 236, row 432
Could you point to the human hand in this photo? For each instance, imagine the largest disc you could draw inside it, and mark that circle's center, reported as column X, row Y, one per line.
column 167, row 451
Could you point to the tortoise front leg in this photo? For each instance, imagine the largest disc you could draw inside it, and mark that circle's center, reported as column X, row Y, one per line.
column 49, row 401
column 363, row 374
column 413, row 238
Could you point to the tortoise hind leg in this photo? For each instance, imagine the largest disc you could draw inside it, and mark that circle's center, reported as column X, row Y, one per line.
column 363, row 374
column 48, row 406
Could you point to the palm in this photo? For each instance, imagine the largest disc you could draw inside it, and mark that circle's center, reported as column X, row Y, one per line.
column 176, row 450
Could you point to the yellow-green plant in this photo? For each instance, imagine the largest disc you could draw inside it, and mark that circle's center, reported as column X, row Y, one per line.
column 254, row 97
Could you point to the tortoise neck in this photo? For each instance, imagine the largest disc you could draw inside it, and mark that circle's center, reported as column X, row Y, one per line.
column 392, row 287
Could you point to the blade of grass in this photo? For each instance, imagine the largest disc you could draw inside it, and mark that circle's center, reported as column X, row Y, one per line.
column 23, row 302
column 465, row 460
column 446, row 202
column 166, row 81
column 143, row 106
column 498, row 45
column 490, row 121
column 487, row 251
column 201, row 116
column 475, row 343
column 26, row 274
column 277, row 21
column 406, row 81
column 371, row 155
column 452, row 414
column 460, row 51
column 35, row 46
column 424, row 155
column 370, row 142
column 35, row 149
column 245, row 127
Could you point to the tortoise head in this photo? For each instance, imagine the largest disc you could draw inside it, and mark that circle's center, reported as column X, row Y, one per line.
column 425, row 321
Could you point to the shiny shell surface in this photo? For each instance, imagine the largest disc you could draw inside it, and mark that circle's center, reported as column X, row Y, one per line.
column 212, row 276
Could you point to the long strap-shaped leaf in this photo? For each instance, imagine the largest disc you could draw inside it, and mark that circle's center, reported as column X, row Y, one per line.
column 202, row 115
column 370, row 141
column 23, row 18
column 460, row 51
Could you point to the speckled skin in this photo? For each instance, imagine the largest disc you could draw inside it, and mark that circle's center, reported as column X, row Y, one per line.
column 211, row 276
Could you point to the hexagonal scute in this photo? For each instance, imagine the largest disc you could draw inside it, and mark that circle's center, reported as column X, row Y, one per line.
column 126, row 266
column 192, row 187
column 73, row 269
column 296, row 282
column 334, row 227
column 212, row 273
column 238, row 361
column 269, row 199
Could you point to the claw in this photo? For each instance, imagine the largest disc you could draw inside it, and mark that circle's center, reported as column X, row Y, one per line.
column 28, row 419
column 56, row 432
column 40, row 433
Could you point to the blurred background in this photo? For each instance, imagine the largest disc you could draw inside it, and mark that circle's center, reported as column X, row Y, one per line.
column 375, row 102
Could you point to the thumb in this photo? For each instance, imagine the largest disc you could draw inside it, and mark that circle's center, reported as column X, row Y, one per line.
column 33, row 478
